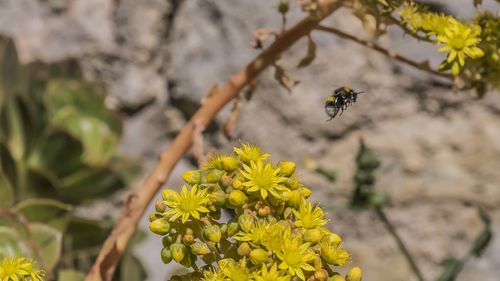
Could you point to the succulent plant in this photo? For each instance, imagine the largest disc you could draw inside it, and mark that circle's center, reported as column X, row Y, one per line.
column 57, row 150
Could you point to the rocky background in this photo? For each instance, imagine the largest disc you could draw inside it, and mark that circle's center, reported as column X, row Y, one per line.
column 440, row 150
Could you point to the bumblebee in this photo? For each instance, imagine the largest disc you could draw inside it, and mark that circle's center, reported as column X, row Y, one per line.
column 342, row 98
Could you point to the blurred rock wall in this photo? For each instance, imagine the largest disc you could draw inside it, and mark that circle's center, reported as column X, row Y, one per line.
column 440, row 150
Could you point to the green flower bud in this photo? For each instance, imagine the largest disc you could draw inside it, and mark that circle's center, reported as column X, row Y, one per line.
column 188, row 239
column 292, row 183
column 313, row 235
column 237, row 184
column 287, row 168
column 336, row 277
column 160, row 226
column 199, row 248
column 213, row 233
column 178, row 251
column 229, row 164
column 335, row 256
column 246, row 222
column 258, row 256
column 167, row 194
column 213, row 176
column 232, row 228
column 167, row 241
column 295, row 199
column 237, row 198
column 154, row 216
column 283, row 7
column 354, row 274
column 306, row 192
column 264, row 211
column 192, row 176
column 271, row 219
column 218, row 197
column 334, row 240
column 244, row 249
column 160, row 205
column 223, row 228
column 166, row 255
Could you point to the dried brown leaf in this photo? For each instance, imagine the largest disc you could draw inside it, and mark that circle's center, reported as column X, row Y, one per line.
column 282, row 77
column 232, row 120
column 260, row 35
column 311, row 53
column 250, row 90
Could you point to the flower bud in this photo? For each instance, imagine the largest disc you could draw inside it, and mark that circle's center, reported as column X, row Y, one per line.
column 306, row 192
column 213, row 176
column 287, row 168
column 336, row 277
column 295, row 199
column 199, row 248
column 246, row 222
column 160, row 226
column 292, row 183
column 264, row 211
column 334, row 239
column 237, row 184
column 258, row 256
column 237, row 198
column 313, row 235
column 188, row 239
column 192, row 176
column 213, row 233
column 226, row 180
column 160, row 205
column 167, row 240
column 154, row 216
column 166, row 255
column 354, row 274
column 223, row 228
column 229, row 164
column 218, row 197
column 283, row 7
column 244, row 249
column 232, row 228
column 178, row 251
column 321, row 275
column 335, row 256
column 167, row 194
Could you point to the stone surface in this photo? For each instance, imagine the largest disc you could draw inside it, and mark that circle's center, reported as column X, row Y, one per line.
column 439, row 150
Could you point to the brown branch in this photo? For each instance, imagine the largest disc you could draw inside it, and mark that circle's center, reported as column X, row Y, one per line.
column 422, row 65
column 139, row 199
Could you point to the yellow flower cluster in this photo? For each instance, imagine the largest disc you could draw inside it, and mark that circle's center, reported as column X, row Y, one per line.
column 274, row 232
column 19, row 269
column 458, row 40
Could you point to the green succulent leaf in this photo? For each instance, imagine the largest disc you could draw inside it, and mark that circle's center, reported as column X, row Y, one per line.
column 14, row 77
column 8, row 164
column 70, row 275
column 85, row 233
column 6, row 191
column 40, row 183
column 131, row 269
column 10, row 244
column 47, row 211
column 48, row 244
column 47, row 153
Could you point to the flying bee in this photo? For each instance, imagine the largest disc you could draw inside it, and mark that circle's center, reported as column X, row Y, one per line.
column 342, row 98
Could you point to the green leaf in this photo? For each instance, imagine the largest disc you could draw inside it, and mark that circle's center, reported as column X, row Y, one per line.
column 90, row 182
column 131, row 269
column 47, row 211
column 48, row 243
column 6, row 192
column 97, row 137
column 84, row 233
column 484, row 238
column 41, row 183
column 70, row 275
column 14, row 77
column 8, row 164
column 17, row 126
column 9, row 242
column 451, row 269
column 48, row 155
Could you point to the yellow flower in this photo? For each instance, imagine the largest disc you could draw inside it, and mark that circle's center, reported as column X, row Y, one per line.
column 250, row 152
column 272, row 275
column 19, row 269
column 187, row 203
column 263, row 178
column 212, row 275
column 295, row 257
column 273, row 238
column 222, row 161
column 307, row 217
column 255, row 234
column 234, row 271
column 459, row 41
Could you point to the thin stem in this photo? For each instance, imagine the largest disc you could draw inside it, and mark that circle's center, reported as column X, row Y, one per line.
column 399, row 241
column 382, row 50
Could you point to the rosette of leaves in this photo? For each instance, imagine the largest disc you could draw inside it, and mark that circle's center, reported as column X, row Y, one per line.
column 57, row 151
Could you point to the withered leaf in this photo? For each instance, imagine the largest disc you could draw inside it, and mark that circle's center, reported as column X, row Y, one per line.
column 282, row 77
column 311, row 53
